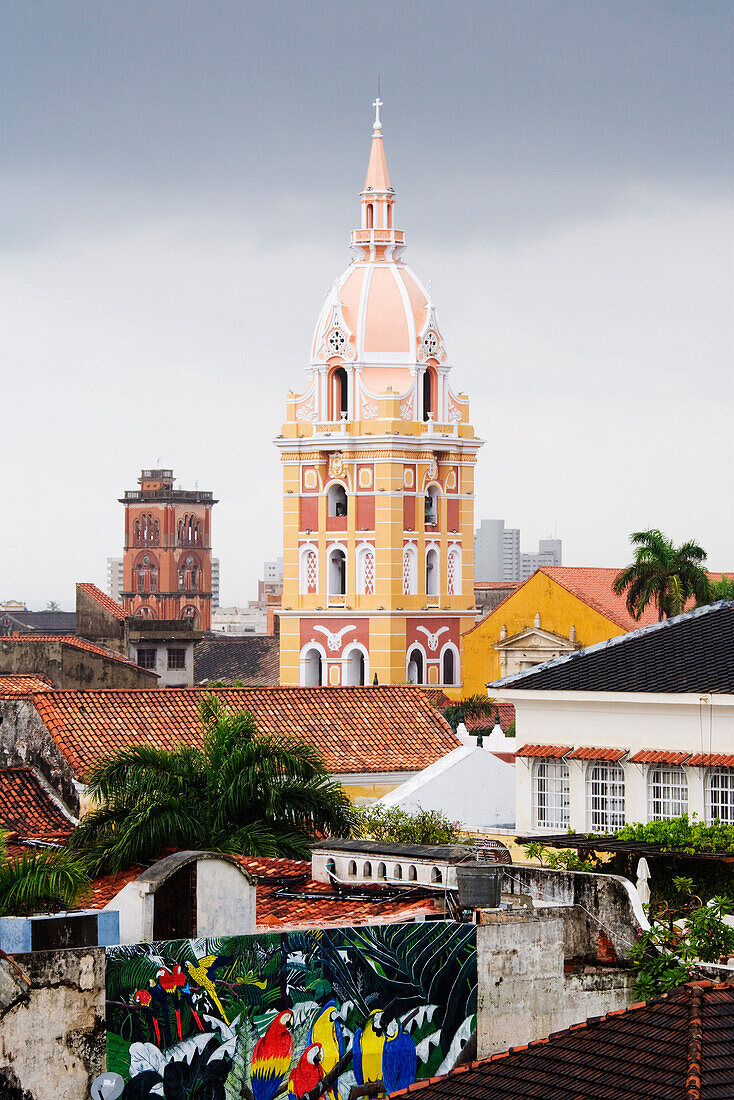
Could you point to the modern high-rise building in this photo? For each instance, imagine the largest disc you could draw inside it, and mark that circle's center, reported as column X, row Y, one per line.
column 167, row 560
column 378, row 459
column 114, row 579
column 497, row 554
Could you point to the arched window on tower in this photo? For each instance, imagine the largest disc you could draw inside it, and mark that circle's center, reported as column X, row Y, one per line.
column 312, row 664
column 449, row 665
column 415, row 666
column 336, row 500
column 337, row 572
column 432, row 585
column 189, row 574
column 370, row 215
column 339, row 393
column 146, row 574
column 355, row 667
column 190, row 614
column 146, row 531
column 308, row 569
column 431, row 506
column 189, row 531
column 429, row 393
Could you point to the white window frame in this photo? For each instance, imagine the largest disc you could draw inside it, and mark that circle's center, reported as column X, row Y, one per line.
column 720, row 795
column 605, row 796
column 551, row 794
column 667, row 792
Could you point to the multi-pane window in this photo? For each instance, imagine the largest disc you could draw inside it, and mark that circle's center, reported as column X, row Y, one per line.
column 668, row 792
column 605, row 791
column 176, row 658
column 550, row 794
column 146, row 658
column 720, row 795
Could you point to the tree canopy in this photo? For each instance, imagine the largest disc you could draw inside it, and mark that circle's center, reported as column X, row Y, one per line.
column 241, row 792
column 663, row 574
column 39, row 880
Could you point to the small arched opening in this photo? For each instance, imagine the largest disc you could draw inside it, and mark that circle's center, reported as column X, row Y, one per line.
column 436, row 875
column 339, row 393
column 370, row 215
column 352, row 869
column 412, row 873
column 367, row 870
column 356, row 670
column 397, row 871
column 336, row 500
column 330, row 867
column 337, row 572
column 448, row 671
column 415, row 666
column 312, row 669
column 429, row 393
column 432, row 572
column 431, row 506
column 381, row 870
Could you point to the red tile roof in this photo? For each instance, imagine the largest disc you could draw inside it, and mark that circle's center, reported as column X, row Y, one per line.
column 362, row 730
column 27, row 810
column 593, row 585
column 549, row 752
column 710, row 760
column 507, row 717
column 587, row 752
column 22, row 684
column 70, row 640
column 103, row 599
column 278, row 909
column 659, row 756
column 676, row 1047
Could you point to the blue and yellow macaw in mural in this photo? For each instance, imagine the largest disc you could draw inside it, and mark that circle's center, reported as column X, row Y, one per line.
column 399, row 1058
column 200, row 973
column 271, row 1058
column 367, row 1049
column 328, row 1032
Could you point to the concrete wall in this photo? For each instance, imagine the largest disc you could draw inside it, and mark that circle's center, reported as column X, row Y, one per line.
column 630, row 721
column 52, row 1027
column 69, row 667
column 225, row 900
column 25, row 740
column 524, row 993
column 178, row 677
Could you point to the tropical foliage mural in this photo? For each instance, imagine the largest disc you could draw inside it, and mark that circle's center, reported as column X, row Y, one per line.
column 339, row 1013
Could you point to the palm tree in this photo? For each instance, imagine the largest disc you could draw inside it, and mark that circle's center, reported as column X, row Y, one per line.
column 40, row 880
column 472, row 706
column 663, row 574
column 242, row 791
column 719, row 590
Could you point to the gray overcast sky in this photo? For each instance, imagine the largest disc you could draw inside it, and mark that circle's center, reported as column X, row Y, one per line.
column 177, row 184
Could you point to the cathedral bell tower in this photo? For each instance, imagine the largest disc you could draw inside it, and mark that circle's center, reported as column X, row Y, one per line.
column 378, row 461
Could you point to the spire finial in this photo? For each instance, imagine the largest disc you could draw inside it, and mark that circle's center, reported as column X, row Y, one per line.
column 377, row 125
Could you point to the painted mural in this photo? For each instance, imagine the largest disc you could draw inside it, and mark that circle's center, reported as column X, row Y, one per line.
column 339, row 1013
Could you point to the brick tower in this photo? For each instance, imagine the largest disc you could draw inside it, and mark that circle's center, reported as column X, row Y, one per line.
column 167, row 562
column 378, row 459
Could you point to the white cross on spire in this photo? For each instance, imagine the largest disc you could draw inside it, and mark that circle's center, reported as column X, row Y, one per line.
column 377, row 104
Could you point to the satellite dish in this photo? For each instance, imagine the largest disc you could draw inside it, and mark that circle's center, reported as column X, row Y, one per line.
column 108, row 1086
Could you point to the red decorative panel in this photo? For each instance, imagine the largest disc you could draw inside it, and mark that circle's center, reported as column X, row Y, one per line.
column 432, row 632
column 365, row 513
column 409, row 512
column 452, row 513
column 334, row 635
column 308, row 513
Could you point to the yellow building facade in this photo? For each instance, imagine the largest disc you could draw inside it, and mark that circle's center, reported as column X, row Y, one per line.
column 378, row 458
column 558, row 610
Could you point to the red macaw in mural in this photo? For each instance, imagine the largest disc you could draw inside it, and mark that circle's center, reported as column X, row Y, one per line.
column 308, row 1073
column 271, row 1058
column 143, row 998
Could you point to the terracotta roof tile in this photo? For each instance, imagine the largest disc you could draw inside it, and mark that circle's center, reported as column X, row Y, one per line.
column 23, row 685
column 254, row 660
column 587, row 752
column 659, row 756
column 710, row 760
column 678, row 1045
column 103, row 599
column 549, row 752
column 70, row 640
column 27, row 809
column 370, row 729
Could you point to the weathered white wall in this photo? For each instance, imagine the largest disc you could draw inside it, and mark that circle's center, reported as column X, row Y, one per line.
column 470, row 785
column 135, row 906
column 53, row 1030
column 225, row 900
column 630, row 721
column 523, row 991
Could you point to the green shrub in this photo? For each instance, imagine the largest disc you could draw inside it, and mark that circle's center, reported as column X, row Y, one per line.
column 400, row 827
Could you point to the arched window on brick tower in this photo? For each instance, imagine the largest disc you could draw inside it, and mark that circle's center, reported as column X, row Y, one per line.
column 190, row 614
column 146, row 531
column 189, row 531
column 429, row 393
column 146, row 574
column 189, row 574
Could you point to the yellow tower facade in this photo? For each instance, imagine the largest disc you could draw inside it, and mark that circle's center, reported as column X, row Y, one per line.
column 378, row 459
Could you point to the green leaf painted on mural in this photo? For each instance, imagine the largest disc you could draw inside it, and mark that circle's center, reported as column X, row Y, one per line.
column 118, row 1054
